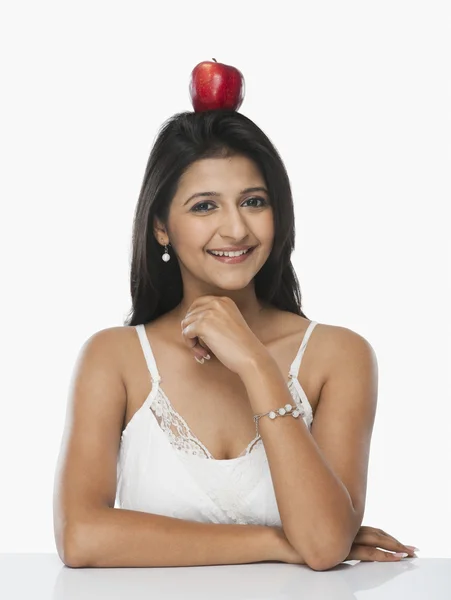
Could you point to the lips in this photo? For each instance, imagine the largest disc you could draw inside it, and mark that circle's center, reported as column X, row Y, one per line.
column 247, row 251
column 232, row 260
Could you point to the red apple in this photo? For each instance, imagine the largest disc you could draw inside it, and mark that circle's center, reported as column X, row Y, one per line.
column 215, row 85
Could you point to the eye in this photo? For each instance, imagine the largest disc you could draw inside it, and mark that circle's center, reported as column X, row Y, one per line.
column 197, row 209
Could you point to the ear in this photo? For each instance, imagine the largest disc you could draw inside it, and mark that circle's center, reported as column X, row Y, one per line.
column 159, row 230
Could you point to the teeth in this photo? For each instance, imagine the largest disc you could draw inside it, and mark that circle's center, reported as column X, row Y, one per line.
column 229, row 253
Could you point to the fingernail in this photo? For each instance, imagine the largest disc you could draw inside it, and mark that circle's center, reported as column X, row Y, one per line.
column 412, row 548
column 400, row 554
column 208, row 357
column 199, row 361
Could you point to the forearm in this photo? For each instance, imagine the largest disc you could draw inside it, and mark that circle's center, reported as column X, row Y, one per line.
column 315, row 508
column 114, row 537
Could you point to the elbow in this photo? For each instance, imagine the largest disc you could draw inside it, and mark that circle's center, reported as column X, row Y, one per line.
column 73, row 560
column 324, row 563
column 70, row 550
column 336, row 550
column 319, row 559
column 328, row 558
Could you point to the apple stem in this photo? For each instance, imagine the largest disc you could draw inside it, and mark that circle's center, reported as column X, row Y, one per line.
column 215, row 59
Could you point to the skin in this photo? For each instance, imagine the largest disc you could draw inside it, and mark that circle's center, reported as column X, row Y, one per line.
column 233, row 219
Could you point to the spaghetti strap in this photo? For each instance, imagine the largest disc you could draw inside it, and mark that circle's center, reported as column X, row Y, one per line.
column 148, row 354
column 294, row 369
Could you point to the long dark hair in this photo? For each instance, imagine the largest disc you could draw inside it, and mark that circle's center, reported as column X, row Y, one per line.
column 156, row 286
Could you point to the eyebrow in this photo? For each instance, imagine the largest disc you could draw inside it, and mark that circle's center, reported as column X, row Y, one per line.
column 209, row 194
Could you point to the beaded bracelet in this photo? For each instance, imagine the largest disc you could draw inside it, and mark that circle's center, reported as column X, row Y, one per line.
column 285, row 410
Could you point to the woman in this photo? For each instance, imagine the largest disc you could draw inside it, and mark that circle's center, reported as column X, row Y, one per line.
column 219, row 461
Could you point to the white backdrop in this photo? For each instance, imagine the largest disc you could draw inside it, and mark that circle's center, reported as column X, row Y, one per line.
column 356, row 96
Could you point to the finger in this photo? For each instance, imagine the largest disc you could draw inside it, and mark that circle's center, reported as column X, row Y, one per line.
column 200, row 351
column 203, row 348
column 189, row 337
column 199, row 305
column 392, row 543
column 192, row 341
column 371, row 554
column 371, row 536
column 190, row 318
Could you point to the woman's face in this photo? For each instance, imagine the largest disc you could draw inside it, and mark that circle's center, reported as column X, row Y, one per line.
column 230, row 217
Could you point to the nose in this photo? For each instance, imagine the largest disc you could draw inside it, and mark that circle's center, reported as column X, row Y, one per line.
column 233, row 225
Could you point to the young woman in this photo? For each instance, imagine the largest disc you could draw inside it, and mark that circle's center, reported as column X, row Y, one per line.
column 224, row 424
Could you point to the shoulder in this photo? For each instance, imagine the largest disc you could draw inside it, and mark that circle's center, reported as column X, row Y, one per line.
column 347, row 370
column 119, row 335
column 346, row 355
column 344, row 343
column 122, row 342
column 109, row 341
column 113, row 343
column 330, row 346
column 106, row 339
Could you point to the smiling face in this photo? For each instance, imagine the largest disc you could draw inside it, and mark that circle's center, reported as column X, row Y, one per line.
column 229, row 216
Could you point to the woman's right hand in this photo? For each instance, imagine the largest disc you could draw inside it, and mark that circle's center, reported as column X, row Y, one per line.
column 365, row 547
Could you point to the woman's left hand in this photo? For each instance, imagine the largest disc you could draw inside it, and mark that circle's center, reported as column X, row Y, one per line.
column 216, row 324
column 370, row 545
column 368, row 541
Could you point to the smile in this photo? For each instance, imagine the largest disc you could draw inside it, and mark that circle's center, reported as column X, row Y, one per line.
column 231, row 260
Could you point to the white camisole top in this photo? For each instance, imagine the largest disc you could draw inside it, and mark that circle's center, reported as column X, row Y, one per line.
column 163, row 468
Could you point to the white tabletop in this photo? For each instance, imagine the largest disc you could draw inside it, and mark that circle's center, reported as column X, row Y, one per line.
column 44, row 576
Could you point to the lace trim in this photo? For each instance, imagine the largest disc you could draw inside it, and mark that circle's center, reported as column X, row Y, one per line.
column 180, row 435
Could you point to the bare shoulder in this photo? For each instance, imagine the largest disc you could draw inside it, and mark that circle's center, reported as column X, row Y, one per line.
column 111, row 341
column 119, row 338
column 115, row 345
column 340, row 346
column 124, row 345
column 342, row 340
column 109, row 335
column 329, row 345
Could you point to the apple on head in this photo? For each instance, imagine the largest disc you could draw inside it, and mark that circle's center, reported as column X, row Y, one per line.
column 215, row 85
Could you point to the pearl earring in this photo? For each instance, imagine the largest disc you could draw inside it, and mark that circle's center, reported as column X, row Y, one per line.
column 166, row 255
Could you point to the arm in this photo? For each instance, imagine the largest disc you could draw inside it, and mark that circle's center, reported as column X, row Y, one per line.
column 320, row 478
column 126, row 538
column 88, row 531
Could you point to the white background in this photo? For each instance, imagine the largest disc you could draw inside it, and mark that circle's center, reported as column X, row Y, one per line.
column 356, row 96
